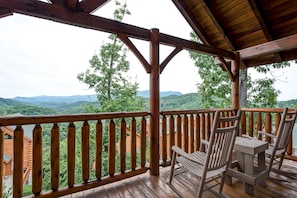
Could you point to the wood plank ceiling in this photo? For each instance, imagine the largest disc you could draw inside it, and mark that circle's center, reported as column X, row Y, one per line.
column 263, row 31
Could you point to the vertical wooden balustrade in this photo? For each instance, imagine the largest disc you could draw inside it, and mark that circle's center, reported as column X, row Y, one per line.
column 123, row 146
column 133, row 144
column 127, row 135
column 55, row 157
column 77, row 130
column 18, row 150
column 71, row 154
column 185, row 129
column 267, row 119
column 37, row 162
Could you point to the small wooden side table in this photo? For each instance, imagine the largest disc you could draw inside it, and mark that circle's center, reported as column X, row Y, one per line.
column 247, row 172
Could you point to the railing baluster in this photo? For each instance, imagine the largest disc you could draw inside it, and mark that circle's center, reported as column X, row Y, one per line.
column 164, row 139
column 172, row 133
column 85, row 153
column 243, row 123
column 197, row 132
column 123, row 145
column 185, row 133
column 133, row 144
column 98, row 156
column 18, row 148
column 71, row 153
column 55, row 157
column 259, row 124
column 251, row 124
column 192, row 133
column 203, row 126
column 277, row 122
column 111, row 148
column 178, row 131
column 143, row 142
column 208, row 125
column 37, row 162
column 268, row 128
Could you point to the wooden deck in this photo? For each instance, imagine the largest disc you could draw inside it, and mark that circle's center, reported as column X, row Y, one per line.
column 279, row 184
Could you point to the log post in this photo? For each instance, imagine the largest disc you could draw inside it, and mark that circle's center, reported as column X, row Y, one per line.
column 154, row 102
column 235, row 82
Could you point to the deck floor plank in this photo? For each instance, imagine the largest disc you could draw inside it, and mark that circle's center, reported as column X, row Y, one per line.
column 279, row 184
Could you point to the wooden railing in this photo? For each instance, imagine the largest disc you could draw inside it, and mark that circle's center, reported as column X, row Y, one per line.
column 111, row 126
column 183, row 128
column 187, row 128
column 264, row 119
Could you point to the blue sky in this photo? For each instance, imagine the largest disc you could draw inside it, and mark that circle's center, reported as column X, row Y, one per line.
column 40, row 57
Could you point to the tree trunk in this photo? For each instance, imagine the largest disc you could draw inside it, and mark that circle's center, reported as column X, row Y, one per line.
column 243, row 87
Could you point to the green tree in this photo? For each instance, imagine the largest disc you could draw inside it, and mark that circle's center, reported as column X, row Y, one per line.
column 6, row 191
column 107, row 74
column 215, row 88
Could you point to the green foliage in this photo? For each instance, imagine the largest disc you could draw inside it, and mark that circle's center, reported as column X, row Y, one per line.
column 215, row 88
column 26, row 110
column 184, row 102
column 289, row 103
column 6, row 191
column 107, row 74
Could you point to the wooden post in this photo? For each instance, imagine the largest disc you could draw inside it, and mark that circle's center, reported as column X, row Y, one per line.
column 235, row 82
column 154, row 102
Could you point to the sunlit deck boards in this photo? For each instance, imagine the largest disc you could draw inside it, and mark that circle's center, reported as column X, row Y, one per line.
column 279, row 184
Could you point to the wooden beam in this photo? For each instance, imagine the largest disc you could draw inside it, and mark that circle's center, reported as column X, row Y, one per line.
column 63, row 15
column 136, row 52
column 194, row 46
column 72, row 4
column 287, row 43
column 90, row 6
column 5, row 12
column 168, row 58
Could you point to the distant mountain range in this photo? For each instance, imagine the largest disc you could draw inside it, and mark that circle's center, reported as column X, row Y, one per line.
column 80, row 98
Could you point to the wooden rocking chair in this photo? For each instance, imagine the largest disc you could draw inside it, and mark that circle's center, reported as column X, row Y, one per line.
column 276, row 151
column 212, row 164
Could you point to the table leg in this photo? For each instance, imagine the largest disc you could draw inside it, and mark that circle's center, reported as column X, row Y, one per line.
column 249, row 170
column 240, row 160
column 262, row 166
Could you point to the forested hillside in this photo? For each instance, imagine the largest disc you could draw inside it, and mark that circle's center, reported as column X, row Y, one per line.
column 49, row 105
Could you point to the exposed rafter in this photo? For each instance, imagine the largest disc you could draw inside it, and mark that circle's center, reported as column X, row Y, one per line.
column 201, row 33
column 262, row 23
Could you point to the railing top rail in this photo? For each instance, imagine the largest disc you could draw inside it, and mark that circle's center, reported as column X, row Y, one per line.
column 38, row 119
column 264, row 110
column 176, row 112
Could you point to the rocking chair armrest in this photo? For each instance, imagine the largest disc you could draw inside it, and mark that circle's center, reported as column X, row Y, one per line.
column 179, row 151
column 267, row 134
column 203, row 145
column 182, row 153
column 205, row 142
